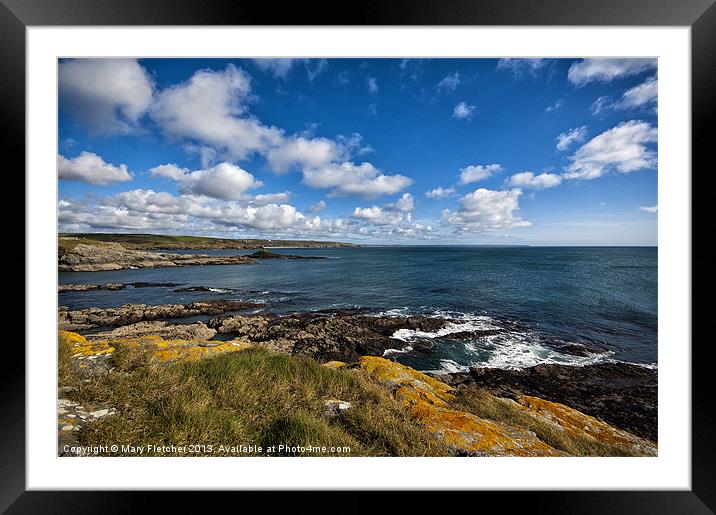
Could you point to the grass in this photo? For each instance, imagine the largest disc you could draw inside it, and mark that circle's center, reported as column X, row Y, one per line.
column 248, row 398
column 67, row 241
column 485, row 405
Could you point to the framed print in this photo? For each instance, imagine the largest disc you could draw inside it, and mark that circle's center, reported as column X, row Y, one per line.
column 276, row 251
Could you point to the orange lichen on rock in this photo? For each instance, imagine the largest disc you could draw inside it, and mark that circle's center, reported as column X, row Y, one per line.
column 427, row 400
column 165, row 350
column 574, row 421
column 81, row 347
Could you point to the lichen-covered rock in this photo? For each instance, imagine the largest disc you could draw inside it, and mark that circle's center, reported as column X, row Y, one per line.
column 573, row 421
column 427, row 400
column 164, row 350
column 334, row 407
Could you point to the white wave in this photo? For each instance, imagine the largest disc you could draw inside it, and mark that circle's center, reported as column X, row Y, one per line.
column 449, row 328
column 388, row 352
column 518, row 351
column 448, row 366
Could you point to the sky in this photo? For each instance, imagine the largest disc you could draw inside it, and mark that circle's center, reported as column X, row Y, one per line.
column 372, row 151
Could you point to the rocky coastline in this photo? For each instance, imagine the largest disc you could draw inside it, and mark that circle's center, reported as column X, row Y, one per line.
column 620, row 395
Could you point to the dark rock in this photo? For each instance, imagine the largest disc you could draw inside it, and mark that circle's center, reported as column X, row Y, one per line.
column 133, row 313
column 63, row 288
column 326, row 337
column 621, row 394
column 265, row 254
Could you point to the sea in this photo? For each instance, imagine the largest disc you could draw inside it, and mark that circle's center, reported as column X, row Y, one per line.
column 533, row 304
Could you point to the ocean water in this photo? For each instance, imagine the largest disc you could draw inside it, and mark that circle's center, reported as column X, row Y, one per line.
column 543, row 299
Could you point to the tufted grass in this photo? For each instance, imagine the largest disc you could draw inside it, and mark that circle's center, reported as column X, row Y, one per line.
column 251, row 397
column 485, row 405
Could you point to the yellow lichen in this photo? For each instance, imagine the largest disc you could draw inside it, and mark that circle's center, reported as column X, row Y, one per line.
column 166, row 350
column 428, row 402
column 334, row 364
column 574, row 421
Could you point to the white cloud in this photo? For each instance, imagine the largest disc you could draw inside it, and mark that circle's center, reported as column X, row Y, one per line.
column 271, row 198
column 622, row 148
column 363, row 180
column 640, row 96
column 223, row 181
column 109, row 96
column 440, row 192
column 281, row 67
column 450, row 82
column 601, row 105
column 643, row 94
column 463, row 110
column 537, row 182
column 606, row 70
column 520, row 67
column 210, row 108
column 303, row 152
column 404, row 203
column 91, row 168
column 378, row 215
column 372, row 85
column 486, row 210
column 649, row 209
column 475, row 173
column 565, row 139
column 554, row 107
column 317, row 207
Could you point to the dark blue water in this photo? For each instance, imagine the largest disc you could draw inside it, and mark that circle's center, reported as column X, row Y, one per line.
column 544, row 298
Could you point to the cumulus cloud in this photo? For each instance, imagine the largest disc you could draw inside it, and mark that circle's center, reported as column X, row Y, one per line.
column 404, row 203
column 623, row 148
column 210, row 108
column 302, row 152
column 475, row 173
column 109, row 96
column 91, row 168
column 378, row 215
column 271, row 198
column 450, row 82
column 348, row 178
column 565, row 139
column 223, row 181
column 649, row 209
column 440, row 192
column 520, row 67
column 606, row 70
column 464, row 111
column 644, row 94
column 486, row 210
column 317, row 207
column 537, row 182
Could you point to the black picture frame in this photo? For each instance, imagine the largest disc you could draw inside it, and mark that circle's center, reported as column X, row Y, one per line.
column 700, row 15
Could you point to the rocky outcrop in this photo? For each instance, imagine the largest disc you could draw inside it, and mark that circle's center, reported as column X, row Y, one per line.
column 62, row 288
column 113, row 256
column 325, row 336
column 165, row 330
column 427, row 400
column 90, row 354
column 265, row 254
column 624, row 395
column 134, row 313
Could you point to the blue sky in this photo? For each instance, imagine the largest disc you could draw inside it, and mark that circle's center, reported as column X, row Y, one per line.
column 416, row 151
